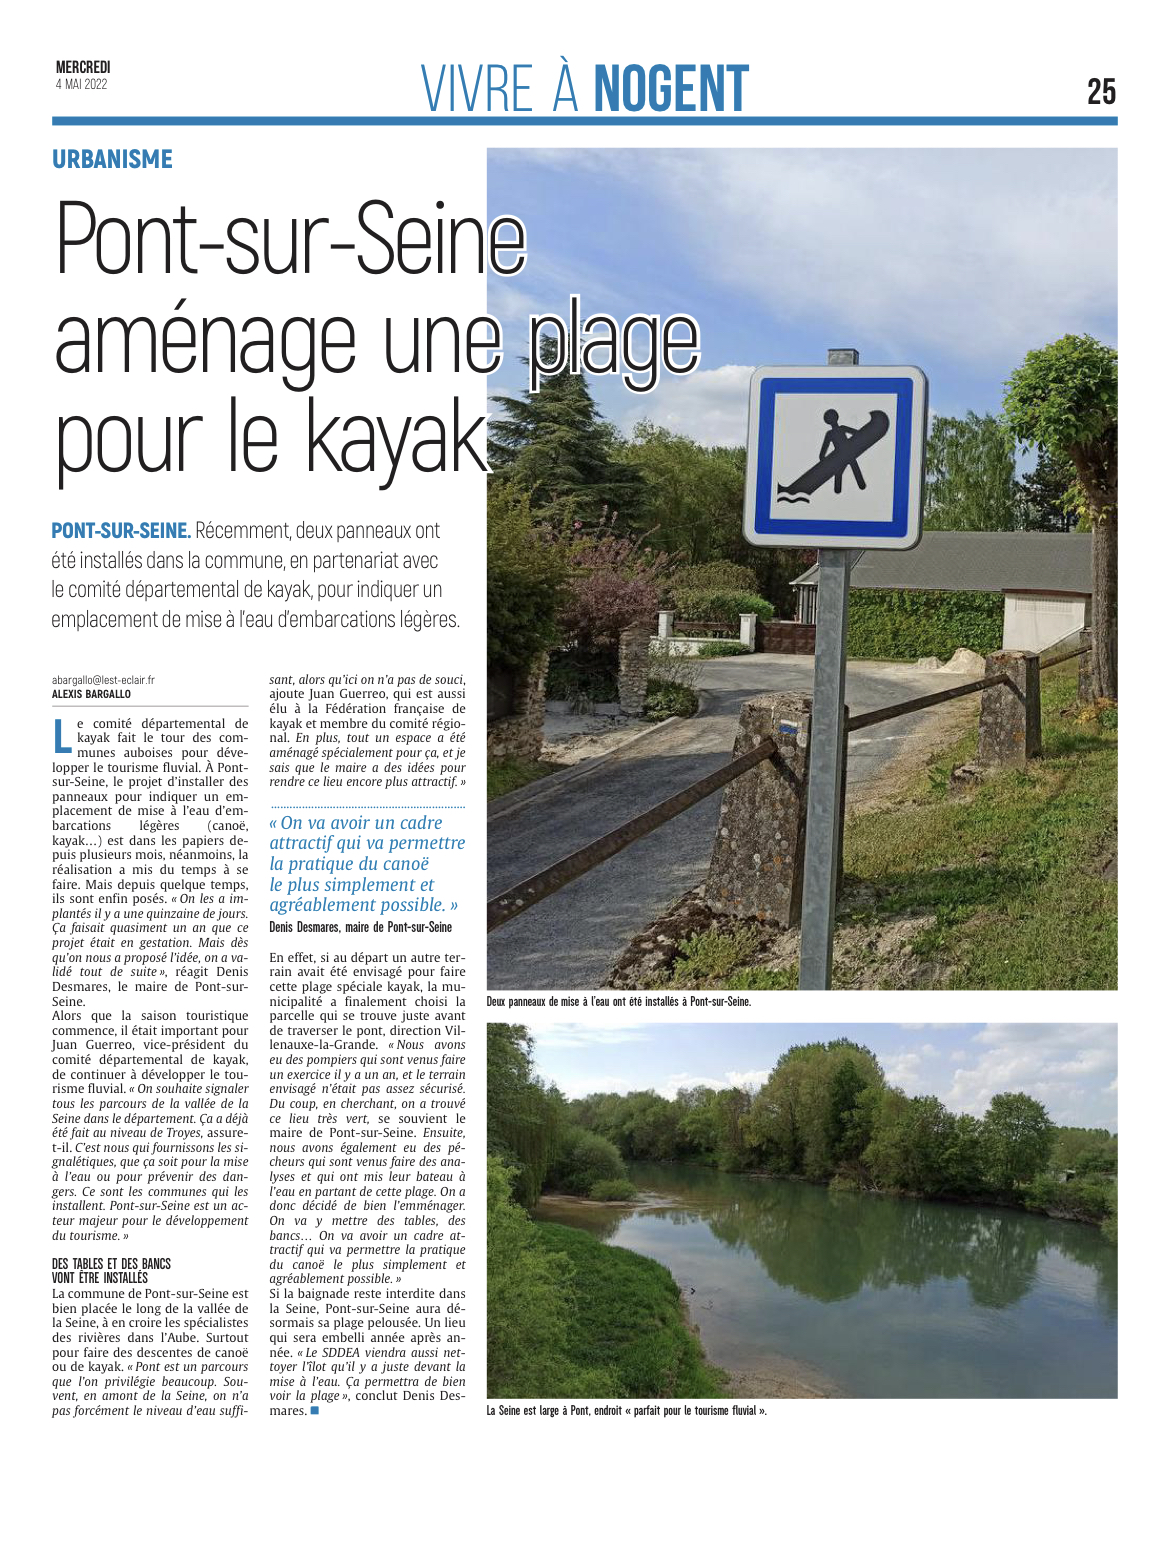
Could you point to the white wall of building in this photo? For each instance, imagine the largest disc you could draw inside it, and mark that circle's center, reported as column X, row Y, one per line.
column 1033, row 621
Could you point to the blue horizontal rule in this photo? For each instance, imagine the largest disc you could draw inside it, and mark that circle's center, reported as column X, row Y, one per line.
column 526, row 121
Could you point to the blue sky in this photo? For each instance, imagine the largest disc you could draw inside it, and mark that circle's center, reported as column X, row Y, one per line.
column 959, row 261
column 1071, row 1068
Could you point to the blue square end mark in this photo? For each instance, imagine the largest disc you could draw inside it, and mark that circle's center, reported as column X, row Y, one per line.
column 314, row 1410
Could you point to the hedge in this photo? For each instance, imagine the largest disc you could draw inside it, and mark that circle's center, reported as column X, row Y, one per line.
column 719, row 603
column 910, row 625
column 715, row 574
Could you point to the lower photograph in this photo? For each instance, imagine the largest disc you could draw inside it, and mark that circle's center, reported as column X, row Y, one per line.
column 792, row 1211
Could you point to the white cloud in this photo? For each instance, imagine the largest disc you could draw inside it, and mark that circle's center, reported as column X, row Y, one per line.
column 905, row 1071
column 514, row 305
column 710, row 405
column 979, row 253
column 1065, row 1065
column 685, row 1080
column 566, row 1034
column 748, row 1080
column 1056, row 1037
column 584, row 1086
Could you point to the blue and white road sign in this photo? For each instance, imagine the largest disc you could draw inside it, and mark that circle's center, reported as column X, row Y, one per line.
column 834, row 456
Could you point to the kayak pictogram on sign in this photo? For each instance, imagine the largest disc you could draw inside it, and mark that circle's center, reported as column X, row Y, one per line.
column 835, row 456
column 839, row 450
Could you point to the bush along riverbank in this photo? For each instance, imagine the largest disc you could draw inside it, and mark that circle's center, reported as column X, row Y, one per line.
column 569, row 1316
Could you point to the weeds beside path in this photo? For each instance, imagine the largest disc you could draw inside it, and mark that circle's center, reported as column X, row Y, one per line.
column 505, row 776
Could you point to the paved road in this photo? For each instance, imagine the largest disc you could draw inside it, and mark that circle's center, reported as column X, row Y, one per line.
column 571, row 940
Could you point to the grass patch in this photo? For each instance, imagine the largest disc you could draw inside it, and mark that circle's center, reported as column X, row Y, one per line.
column 1011, row 868
column 721, row 649
column 504, row 776
column 628, row 1320
column 712, row 955
column 669, row 698
column 765, row 978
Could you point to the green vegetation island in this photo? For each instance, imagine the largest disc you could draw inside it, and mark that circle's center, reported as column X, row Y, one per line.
column 570, row 1315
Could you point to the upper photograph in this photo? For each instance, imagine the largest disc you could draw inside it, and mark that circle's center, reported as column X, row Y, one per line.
column 802, row 599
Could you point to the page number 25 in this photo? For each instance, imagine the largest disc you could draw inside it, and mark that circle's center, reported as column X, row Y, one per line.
column 1102, row 89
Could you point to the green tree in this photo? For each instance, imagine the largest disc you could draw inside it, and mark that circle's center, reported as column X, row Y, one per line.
column 692, row 497
column 1047, row 496
column 583, row 1159
column 802, row 1117
column 961, row 1161
column 692, row 502
column 850, row 1115
column 971, row 476
column 646, row 1126
column 554, row 445
column 527, row 573
column 699, row 1124
column 524, row 1117
column 711, row 1125
column 1064, row 398
column 910, row 1135
column 1017, row 1140
column 713, row 575
column 1085, row 1151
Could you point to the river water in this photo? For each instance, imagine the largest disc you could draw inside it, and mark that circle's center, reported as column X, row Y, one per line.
column 872, row 1296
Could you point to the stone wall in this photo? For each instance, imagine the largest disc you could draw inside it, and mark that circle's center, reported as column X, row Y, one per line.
column 634, row 668
column 520, row 736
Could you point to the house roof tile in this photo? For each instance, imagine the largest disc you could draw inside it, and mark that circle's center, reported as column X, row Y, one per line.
column 979, row 562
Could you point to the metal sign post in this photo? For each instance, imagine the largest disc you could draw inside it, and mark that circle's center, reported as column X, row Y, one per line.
column 822, row 831
column 834, row 461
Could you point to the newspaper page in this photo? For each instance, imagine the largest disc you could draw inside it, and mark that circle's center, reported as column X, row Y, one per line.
column 563, row 616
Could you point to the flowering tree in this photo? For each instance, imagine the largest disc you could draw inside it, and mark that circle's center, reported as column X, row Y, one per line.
column 613, row 583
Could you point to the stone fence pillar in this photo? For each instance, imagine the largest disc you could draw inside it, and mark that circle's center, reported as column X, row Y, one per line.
column 757, row 866
column 1085, row 670
column 634, row 668
column 520, row 735
column 747, row 630
column 665, row 623
column 1009, row 715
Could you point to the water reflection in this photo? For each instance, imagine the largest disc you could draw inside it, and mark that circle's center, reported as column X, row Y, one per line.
column 903, row 1271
